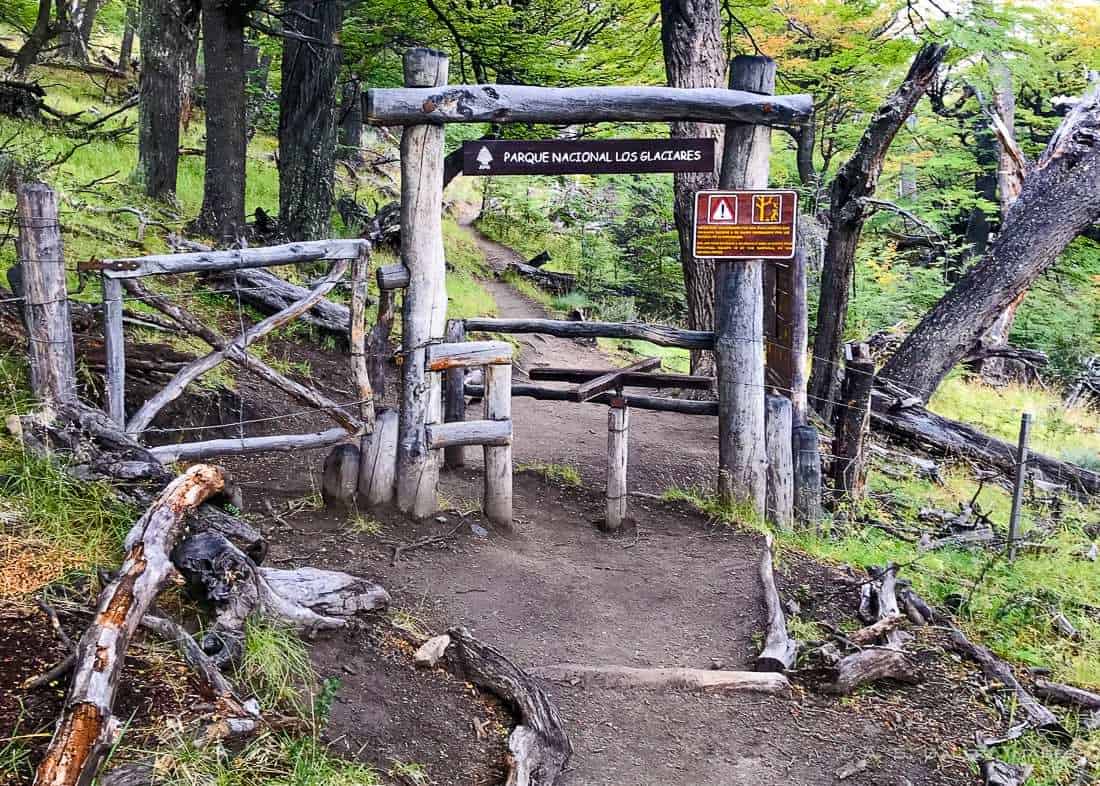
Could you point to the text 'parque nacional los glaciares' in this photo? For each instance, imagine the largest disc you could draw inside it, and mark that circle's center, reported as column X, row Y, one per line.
column 587, row 157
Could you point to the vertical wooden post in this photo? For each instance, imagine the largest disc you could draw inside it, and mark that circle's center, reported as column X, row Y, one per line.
column 618, row 435
column 1018, row 485
column 357, row 332
column 425, row 302
column 739, row 333
column 454, row 395
column 850, row 425
column 114, row 349
column 799, row 334
column 42, row 257
column 806, row 453
column 498, row 458
column 780, row 492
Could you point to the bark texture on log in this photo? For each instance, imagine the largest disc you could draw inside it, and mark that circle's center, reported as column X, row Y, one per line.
column 872, row 665
column 852, row 417
column 539, row 747
column 855, row 181
column 269, row 293
column 86, row 728
column 1060, row 199
column 780, row 650
column 694, row 58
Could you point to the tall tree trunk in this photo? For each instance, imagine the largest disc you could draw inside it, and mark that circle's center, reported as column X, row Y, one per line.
column 351, row 122
column 307, row 118
column 222, row 214
column 125, row 50
column 1060, row 200
column 41, row 33
column 978, row 225
column 1010, row 179
column 694, row 57
column 168, row 31
column 87, row 23
column 855, row 181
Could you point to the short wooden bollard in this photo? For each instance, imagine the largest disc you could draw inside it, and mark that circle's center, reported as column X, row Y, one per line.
column 454, row 396
column 618, row 429
column 806, row 455
column 498, row 458
column 777, row 442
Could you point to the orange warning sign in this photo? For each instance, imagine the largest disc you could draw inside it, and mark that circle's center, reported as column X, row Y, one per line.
column 745, row 224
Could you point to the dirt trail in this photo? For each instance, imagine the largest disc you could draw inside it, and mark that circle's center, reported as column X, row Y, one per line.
column 678, row 593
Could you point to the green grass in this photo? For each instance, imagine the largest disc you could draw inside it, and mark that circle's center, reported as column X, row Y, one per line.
column 673, row 359
column 465, row 295
column 275, row 667
column 565, row 474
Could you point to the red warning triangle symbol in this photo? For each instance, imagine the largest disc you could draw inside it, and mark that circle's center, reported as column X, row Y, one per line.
column 721, row 210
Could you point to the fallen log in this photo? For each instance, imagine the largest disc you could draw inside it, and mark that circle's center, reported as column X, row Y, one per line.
column 871, row 633
column 1067, row 695
column 780, row 650
column 86, row 728
column 888, row 605
column 538, row 747
column 1039, row 717
column 999, row 773
column 666, row 678
column 556, row 283
column 916, row 425
column 270, row 294
column 871, row 665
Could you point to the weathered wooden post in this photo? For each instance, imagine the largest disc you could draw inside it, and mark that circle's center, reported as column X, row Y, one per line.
column 806, row 453
column 425, row 302
column 454, row 395
column 42, row 257
column 850, row 425
column 114, row 350
column 739, row 298
column 799, row 334
column 497, row 498
column 618, row 425
column 780, row 492
column 1018, row 485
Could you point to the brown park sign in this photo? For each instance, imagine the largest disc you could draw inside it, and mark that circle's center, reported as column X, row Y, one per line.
column 587, row 156
column 745, row 224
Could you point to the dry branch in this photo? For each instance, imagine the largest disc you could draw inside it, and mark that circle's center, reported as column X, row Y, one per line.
column 86, row 728
column 780, row 650
column 666, row 678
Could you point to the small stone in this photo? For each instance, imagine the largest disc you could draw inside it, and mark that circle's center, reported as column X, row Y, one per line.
column 479, row 530
column 441, row 519
column 432, row 650
column 852, row 768
column 793, row 608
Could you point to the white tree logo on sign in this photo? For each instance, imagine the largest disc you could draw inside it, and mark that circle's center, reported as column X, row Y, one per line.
column 484, row 158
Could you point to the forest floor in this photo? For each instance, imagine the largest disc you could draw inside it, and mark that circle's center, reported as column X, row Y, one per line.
column 680, row 590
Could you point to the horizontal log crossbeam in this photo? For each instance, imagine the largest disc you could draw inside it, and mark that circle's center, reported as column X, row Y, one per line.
column 612, row 379
column 441, row 357
column 652, row 403
column 469, row 432
column 234, row 259
column 662, row 335
column 628, row 379
column 569, row 105
column 195, row 451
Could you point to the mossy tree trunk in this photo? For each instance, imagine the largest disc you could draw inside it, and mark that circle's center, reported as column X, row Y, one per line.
column 168, row 30
column 307, row 117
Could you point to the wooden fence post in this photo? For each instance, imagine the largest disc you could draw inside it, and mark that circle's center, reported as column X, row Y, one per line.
column 1018, row 485
column 454, row 395
column 425, row 302
column 42, row 260
column 497, row 501
column 799, row 335
column 806, row 453
column 850, row 425
column 618, row 436
column 780, row 493
column 114, row 349
column 739, row 296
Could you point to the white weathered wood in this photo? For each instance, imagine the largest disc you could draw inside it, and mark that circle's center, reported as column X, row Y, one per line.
column 114, row 350
column 193, row 451
column 86, row 729
column 469, row 432
column 780, row 649
column 888, row 605
column 497, row 498
column 378, row 460
column 662, row 335
column 806, row 456
column 425, row 302
column 468, row 353
column 234, row 259
column 454, row 396
column 618, row 432
column 572, row 105
column 340, row 476
column 739, row 320
column 42, row 256
column 665, row 678
column 192, row 371
column 800, row 336
column 392, row 276
column 777, row 442
column 357, row 335
column 871, row 665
